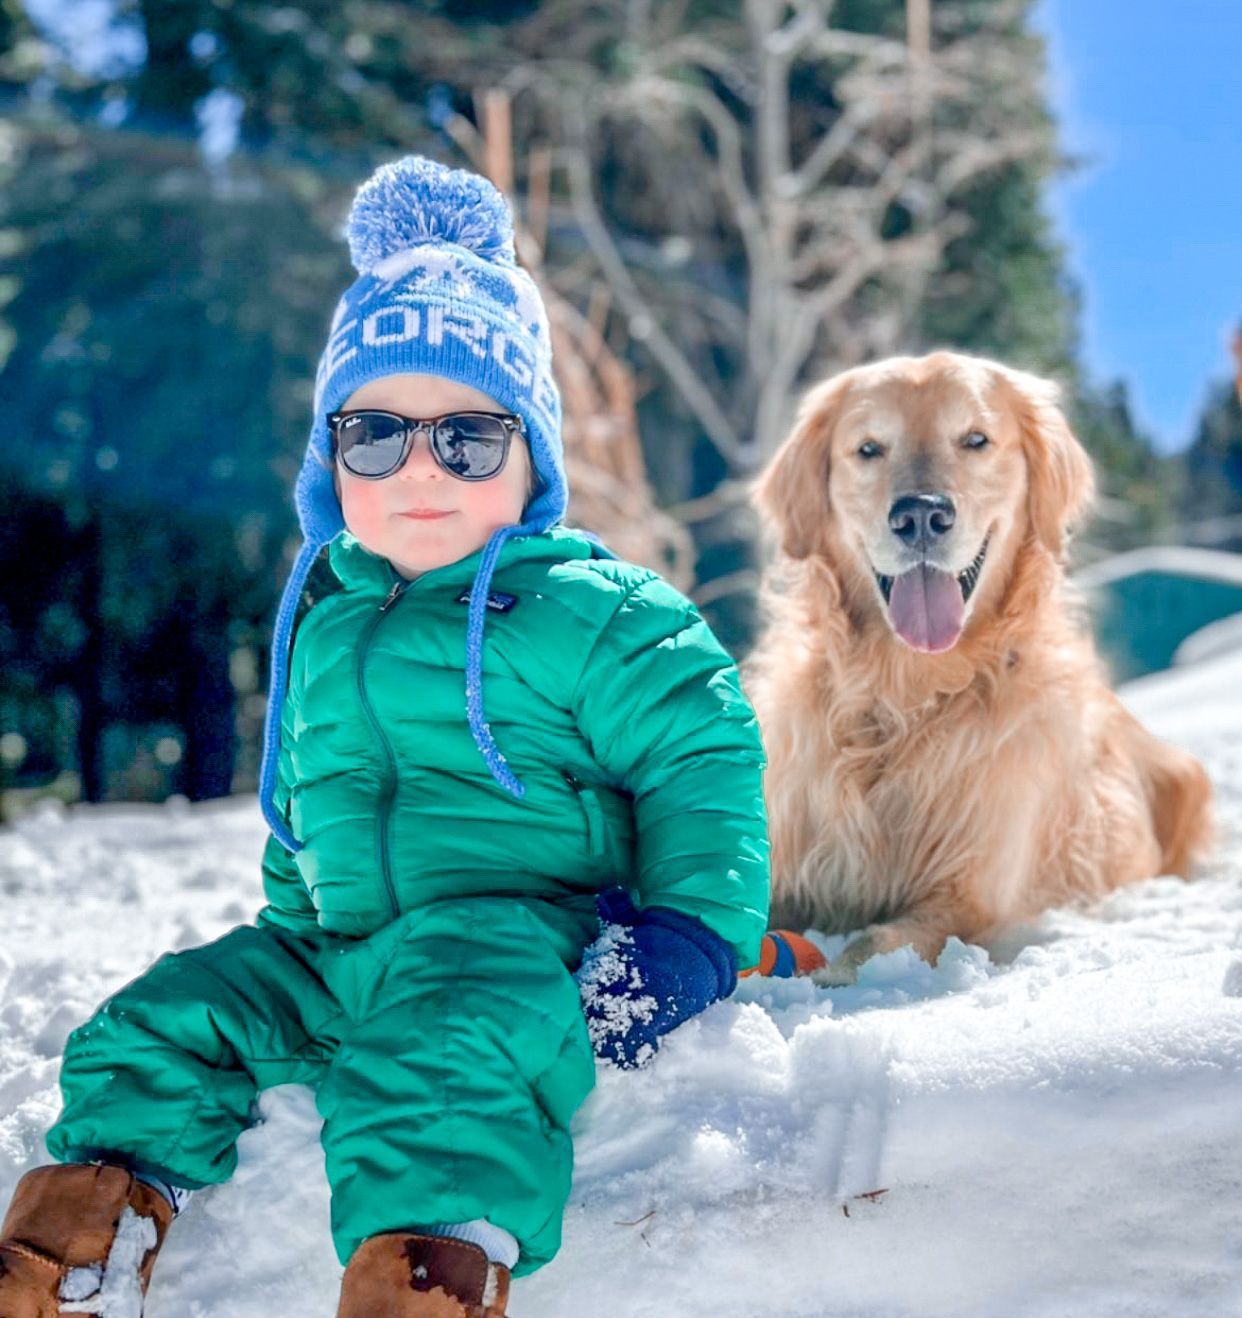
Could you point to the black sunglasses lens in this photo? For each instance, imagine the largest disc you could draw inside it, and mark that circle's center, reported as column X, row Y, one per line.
column 471, row 447
column 370, row 443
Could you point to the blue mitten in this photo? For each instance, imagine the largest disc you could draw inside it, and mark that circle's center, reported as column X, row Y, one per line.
column 646, row 973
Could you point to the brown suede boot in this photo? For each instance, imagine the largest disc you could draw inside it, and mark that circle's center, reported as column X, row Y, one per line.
column 398, row 1275
column 74, row 1238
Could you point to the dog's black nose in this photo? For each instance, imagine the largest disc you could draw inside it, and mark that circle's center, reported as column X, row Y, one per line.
column 919, row 520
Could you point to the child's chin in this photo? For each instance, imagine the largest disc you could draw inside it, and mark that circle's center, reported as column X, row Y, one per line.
column 424, row 548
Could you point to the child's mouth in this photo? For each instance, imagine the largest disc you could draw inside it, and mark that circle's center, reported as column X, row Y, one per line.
column 426, row 514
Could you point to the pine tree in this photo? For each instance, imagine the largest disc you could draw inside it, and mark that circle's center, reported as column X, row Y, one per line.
column 1213, row 470
column 158, row 331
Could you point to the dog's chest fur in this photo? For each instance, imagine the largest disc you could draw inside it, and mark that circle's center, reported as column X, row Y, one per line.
column 895, row 804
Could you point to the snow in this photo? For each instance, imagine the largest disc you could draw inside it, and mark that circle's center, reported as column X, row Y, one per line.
column 1197, row 706
column 1043, row 1129
column 115, row 1291
column 606, row 967
column 1175, row 560
column 1222, row 637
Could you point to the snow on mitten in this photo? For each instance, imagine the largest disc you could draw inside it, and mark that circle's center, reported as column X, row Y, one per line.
column 648, row 972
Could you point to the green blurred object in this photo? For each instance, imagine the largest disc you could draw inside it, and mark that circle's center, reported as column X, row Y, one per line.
column 1146, row 603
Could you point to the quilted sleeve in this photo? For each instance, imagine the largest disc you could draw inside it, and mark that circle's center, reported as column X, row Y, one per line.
column 661, row 705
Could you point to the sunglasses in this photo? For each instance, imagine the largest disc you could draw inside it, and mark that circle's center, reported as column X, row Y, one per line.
column 472, row 446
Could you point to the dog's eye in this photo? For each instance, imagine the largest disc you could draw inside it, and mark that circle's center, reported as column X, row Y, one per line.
column 870, row 449
column 976, row 439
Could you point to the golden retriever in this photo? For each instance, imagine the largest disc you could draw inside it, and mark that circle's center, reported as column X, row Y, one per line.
column 945, row 756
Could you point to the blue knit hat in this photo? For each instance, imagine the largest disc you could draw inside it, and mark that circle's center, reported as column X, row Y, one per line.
column 438, row 292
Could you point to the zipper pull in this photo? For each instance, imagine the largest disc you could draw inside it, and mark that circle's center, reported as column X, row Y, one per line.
column 393, row 596
column 592, row 812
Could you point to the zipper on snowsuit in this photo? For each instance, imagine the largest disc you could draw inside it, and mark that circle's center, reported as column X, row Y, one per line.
column 389, row 794
column 592, row 812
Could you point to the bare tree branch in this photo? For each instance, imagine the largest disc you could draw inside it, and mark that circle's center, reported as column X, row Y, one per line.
column 643, row 323
column 867, row 208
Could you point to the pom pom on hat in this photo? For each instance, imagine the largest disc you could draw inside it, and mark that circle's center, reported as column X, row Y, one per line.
column 414, row 201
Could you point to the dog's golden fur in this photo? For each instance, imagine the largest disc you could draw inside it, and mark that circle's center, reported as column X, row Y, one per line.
column 916, row 795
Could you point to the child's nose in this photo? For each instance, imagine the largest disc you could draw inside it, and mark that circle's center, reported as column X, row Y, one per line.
column 420, row 465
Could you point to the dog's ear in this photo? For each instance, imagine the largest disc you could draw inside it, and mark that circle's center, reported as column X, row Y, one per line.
column 792, row 491
column 1060, row 477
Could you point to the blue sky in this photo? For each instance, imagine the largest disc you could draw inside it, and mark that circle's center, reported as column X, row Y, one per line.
column 1150, row 93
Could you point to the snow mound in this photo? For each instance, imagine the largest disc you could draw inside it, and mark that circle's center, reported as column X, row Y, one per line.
column 1045, row 1128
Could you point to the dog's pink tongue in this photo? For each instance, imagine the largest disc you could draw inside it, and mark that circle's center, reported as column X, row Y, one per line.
column 926, row 609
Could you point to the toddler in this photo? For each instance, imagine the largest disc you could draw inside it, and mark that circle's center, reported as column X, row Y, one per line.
column 492, row 742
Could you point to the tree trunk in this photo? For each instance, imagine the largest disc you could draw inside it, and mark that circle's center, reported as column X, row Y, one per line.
column 206, row 705
column 88, row 679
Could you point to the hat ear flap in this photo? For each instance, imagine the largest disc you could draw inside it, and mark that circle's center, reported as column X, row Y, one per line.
column 1060, row 478
column 792, row 492
column 314, row 495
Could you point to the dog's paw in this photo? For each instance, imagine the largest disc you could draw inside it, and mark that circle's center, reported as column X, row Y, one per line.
column 843, row 970
column 834, row 975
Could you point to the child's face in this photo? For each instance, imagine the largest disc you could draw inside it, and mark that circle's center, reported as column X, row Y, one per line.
column 420, row 517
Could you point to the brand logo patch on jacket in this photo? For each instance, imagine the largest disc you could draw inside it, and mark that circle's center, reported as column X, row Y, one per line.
column 498, row 600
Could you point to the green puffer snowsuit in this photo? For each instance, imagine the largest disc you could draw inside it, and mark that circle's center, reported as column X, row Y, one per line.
column 414, row 961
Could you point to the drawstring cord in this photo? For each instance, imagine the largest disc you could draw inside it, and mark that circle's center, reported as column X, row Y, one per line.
column 476, row 620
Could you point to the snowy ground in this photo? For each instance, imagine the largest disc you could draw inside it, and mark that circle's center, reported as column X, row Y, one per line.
column 1047, row 1129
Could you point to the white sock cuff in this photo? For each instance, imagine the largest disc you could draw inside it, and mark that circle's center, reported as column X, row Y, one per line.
column 175, row 1195
column 499, row 1246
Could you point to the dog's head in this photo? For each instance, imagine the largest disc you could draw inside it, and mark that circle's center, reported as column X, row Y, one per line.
column 920, row 482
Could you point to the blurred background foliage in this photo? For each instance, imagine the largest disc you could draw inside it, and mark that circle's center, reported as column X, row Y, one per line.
column 741, row 195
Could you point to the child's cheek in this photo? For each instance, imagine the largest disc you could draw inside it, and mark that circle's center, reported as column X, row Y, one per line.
column 499, row 505
column 362, row 510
